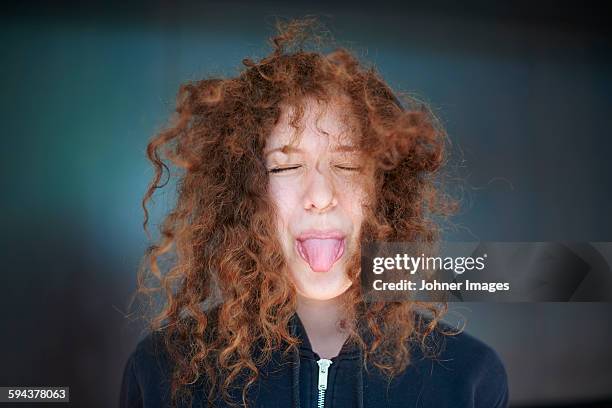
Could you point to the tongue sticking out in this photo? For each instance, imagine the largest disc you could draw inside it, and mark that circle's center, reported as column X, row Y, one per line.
column 321, row 253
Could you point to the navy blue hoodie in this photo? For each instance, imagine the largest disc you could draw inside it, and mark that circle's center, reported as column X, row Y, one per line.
column 465, row 373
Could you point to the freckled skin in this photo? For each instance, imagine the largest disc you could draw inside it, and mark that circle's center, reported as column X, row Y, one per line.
column 315, row 188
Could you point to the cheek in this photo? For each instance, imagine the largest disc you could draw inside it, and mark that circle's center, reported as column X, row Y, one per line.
column 284, row 196
column 353, row 202
column 357, row 214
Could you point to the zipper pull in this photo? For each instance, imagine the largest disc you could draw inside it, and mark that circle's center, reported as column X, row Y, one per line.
column 323, row 370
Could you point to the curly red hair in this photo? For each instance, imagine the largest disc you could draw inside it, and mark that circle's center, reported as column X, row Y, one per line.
column 222, row 231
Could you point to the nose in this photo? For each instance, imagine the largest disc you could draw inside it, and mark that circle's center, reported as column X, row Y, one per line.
column 320, row 193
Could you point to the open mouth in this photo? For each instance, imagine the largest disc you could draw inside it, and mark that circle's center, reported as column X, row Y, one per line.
column 320, row 253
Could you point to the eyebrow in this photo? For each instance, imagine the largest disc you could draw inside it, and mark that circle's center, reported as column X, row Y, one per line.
column 287, row 149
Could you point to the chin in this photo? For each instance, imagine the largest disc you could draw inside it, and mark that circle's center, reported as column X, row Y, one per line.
column 317, row 287
column 324, row 296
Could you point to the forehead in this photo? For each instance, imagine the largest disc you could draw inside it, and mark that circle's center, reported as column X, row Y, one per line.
column 321, row 122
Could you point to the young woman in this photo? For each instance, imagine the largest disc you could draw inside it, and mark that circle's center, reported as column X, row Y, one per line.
column 286, row 170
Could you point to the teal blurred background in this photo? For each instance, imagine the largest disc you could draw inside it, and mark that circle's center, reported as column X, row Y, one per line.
column 523, row 89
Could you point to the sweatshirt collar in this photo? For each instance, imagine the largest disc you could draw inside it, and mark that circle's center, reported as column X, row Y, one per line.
column 349, row 350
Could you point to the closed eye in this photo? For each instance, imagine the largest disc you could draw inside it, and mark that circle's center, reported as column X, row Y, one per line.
column 281, row 169
column 349, row 168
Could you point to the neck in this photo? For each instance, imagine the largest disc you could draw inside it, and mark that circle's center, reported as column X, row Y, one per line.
column 321, row 320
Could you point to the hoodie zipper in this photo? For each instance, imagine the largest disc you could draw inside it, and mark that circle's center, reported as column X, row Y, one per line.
column 323, row 371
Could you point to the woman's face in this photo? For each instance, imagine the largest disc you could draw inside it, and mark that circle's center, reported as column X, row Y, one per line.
column 314, row 184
